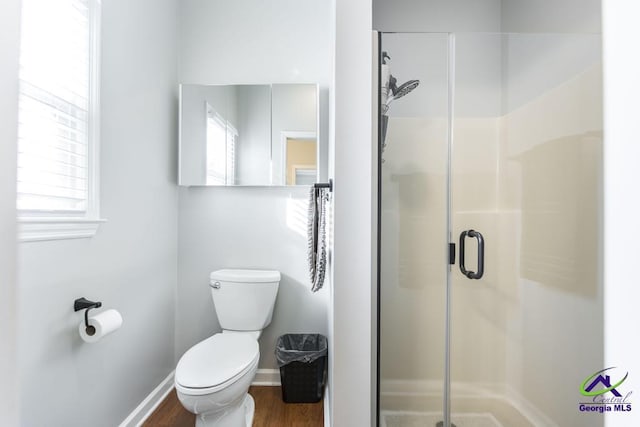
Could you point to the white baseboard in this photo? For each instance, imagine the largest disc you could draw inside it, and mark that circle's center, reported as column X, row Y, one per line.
column 149, row 404
column 327, row 406
column 267, row 377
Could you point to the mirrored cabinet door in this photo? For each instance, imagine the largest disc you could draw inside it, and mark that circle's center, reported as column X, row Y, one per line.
column 252, row 135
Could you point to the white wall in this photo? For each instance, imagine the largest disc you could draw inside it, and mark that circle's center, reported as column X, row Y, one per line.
column 253, row 227
column 622, row 209
column 131, row 264
column 551, row 16
column 539, row 16
column 247, row 41
column 352, row 358
column 9, row 46
column 436, row 15
column 251, row 42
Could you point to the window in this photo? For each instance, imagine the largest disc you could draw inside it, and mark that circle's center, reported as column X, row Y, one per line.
column 232, row 142
column 57, row 193
column 222, row 139
column 305, row 176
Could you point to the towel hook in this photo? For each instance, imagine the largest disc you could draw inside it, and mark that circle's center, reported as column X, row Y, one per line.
column 328, row 185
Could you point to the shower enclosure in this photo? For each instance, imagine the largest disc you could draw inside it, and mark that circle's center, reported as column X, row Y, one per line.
column 490, row 295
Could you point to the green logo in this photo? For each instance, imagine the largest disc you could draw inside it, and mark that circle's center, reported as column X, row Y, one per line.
column 605, row 380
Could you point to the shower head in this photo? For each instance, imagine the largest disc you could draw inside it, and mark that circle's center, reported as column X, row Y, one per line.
column 395, row 92
column 405, row 88
column 399, row 91
column 389, row 92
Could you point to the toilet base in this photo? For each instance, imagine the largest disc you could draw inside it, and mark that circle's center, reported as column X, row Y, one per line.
column 241, row 416
column 250, row 409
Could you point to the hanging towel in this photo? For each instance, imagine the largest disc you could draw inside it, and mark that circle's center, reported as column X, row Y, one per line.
column 317, row 240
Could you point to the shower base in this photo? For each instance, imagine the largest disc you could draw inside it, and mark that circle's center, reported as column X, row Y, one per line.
column 432, row 419
column 407, row 403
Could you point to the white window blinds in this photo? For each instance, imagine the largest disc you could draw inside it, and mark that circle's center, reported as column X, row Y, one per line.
column 216, row 150
column 222, row 139
column 232, row 141
column 54, row 117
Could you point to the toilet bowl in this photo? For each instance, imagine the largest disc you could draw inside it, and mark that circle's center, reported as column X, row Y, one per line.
column 213, row 377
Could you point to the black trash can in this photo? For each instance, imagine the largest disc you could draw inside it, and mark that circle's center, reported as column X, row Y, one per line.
column 302, row 359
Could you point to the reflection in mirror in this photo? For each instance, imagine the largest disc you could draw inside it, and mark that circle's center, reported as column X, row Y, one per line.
column 225, row 135
column 221, row 146
column 248, row 134
column 300, row 150
column 294, row 133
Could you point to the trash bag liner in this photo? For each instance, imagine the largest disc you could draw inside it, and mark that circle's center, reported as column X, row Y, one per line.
column 303, row 348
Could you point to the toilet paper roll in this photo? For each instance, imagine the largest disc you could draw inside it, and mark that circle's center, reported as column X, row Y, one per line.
column 100, row 325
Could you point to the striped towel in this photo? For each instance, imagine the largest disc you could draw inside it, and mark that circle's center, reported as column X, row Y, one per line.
column 317, row 238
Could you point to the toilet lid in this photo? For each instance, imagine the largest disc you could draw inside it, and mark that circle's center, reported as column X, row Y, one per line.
column 216, row 360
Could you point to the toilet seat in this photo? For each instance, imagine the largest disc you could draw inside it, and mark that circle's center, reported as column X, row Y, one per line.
column 216, row 363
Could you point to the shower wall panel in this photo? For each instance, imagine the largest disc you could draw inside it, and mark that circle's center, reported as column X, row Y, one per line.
column 550, row 185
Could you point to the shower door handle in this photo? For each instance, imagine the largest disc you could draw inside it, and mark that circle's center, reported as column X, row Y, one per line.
column 472, row 274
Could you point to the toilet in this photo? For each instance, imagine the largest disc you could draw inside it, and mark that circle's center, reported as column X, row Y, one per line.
column 213, row 377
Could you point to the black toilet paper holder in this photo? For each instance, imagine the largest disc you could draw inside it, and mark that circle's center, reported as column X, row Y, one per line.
column 85, row 304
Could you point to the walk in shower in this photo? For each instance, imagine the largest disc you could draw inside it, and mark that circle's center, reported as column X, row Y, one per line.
column 495, row 153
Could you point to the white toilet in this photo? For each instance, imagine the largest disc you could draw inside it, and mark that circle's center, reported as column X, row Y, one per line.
column 212, row 378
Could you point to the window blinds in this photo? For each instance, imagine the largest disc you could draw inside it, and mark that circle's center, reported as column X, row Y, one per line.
column 53, row 129
column 222, row 139
column 216, row 150
column 232, row 139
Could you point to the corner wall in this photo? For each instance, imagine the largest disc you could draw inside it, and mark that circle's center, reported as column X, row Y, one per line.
column 9, row 47
column 352, row 366
column 250, row 227
column 622, row 208
column 436, row 15
column 551, row 16
column 131, row 264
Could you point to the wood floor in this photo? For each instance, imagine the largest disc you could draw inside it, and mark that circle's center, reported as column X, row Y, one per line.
column 271, row 411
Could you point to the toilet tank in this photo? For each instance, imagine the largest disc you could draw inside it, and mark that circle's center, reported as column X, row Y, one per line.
column 244, row 299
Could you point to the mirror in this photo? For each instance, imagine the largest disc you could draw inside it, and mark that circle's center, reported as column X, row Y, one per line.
column 248, row 135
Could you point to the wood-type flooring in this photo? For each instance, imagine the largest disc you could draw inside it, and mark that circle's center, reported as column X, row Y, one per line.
column 271, row 411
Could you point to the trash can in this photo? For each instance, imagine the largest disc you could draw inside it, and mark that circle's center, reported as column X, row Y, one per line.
column 302, row 359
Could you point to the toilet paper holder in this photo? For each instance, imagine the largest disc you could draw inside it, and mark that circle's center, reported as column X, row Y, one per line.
column 85, row 304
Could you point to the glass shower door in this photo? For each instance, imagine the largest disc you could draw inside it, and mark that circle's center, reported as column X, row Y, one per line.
column 414, row 135
column 496, row 151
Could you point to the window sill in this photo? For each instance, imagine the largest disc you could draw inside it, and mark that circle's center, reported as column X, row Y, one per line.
column 42, row 229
